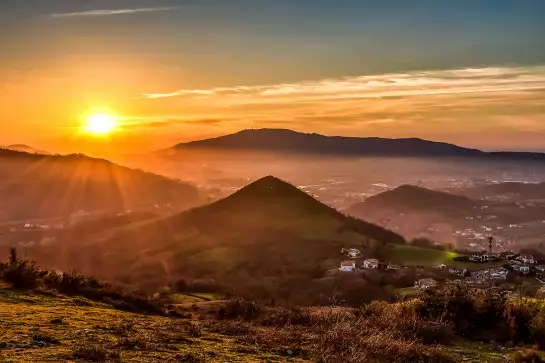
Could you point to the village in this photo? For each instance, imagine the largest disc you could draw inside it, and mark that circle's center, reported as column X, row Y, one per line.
column 480, row 269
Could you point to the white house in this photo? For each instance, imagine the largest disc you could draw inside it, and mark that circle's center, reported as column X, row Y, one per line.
column 391, row 266
column 457, row 271
column 370, row 263
column 442, row 267
column 499, row 273
column 348, row 266
column 424, row 284
column 354, row 252
column 527, row 259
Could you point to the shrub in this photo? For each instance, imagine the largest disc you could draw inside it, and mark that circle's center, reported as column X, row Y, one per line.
column 526, row 356
column 45, row 338
column 240, row 308
column 357, row 341
column 537, row 329
column 281, row 317
column 94, row 353
column 21, row 274
column 518, row 315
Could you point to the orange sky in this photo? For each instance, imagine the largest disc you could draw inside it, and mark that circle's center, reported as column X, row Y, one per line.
column 482, row 107
column 174, row 72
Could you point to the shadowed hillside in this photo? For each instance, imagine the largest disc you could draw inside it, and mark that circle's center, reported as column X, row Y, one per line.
column 269, row 229
column 413, row 199
column 509, row 190
column 55, row 186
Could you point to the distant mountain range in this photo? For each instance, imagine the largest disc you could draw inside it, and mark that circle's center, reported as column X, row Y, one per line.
column 44, row 186
column 284, row 140
column 25, row 148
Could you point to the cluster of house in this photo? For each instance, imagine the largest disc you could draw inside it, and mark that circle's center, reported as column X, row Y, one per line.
column 370, row 263
column 36, row 225
column 424, row 284
column 31, row 243
column 498, row 273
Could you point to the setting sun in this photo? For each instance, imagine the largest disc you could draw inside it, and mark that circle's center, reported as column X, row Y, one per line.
column 100, row 124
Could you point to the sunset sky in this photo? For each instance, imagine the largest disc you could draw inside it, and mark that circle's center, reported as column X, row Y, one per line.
column 471, row 72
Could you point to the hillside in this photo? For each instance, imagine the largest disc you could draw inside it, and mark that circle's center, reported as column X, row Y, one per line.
column 414, row 199
column 269, row 229
column 43, row 186
column 509, row 190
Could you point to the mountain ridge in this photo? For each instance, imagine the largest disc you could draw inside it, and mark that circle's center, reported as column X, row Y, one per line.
column 290, row 141
column 47, row 186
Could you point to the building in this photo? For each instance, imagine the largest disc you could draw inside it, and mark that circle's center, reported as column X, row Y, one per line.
column 424, row 284
column 370, row 263
column 461, row 272
column 354, row 252
column 391, row 266
column 526, row 259
column 348, row 266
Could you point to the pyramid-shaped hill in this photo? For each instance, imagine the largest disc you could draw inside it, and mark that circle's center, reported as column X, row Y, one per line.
column 271, row 205
column 267, row 228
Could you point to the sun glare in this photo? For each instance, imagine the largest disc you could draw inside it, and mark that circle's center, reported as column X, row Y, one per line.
column 100, row 124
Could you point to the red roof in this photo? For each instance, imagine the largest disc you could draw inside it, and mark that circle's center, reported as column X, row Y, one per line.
column 348, row 263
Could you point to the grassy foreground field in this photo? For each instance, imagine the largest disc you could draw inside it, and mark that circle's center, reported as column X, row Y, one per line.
column 38, row 327
column 41, row 328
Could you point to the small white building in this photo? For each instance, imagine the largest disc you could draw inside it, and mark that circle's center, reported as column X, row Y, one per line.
column 526, row 259
column 461, row 272
column 370, row 263
column 348, row 266
column 442, row 267
column 424, row 284
column 354, row 252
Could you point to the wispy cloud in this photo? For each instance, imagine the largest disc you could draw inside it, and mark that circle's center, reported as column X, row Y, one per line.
column 111, row 12
column 433, row 104
column 479, row 80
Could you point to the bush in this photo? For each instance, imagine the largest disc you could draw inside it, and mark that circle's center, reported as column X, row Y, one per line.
column 45, row 339
column 358, row 341
column 526, row 356
column 21, row 274
column 537, row 329
column 240, row 308
column 281, row 317
column 94, row 353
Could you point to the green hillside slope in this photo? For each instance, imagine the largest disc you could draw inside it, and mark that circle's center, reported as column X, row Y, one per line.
column 269, row 229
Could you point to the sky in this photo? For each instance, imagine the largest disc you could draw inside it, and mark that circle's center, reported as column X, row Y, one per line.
column 470, row 72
